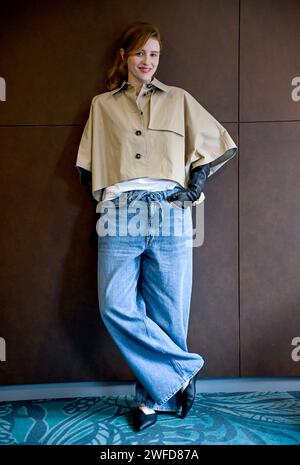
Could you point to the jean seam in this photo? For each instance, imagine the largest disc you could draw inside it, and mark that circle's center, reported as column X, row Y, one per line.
column 147, row 331
column 165, row 353
column 168, row 396
column 178, row 366
column 175, row 364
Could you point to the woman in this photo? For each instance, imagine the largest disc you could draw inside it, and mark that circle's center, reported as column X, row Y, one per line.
column 149, row 145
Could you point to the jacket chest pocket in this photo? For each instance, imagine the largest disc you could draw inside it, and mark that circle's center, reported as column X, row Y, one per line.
column 169, row 123
column 166, row 130
column 168, row 142
column 166, row 114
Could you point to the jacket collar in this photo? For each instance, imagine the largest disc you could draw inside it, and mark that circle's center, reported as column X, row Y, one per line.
column 153, row 83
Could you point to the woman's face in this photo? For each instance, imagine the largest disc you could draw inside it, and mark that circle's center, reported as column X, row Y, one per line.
column 143, row 63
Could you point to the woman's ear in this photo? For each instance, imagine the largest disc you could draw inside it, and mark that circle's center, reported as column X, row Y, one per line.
column 122, row 52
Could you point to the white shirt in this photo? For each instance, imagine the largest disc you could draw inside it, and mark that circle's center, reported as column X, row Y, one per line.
column 149, row 184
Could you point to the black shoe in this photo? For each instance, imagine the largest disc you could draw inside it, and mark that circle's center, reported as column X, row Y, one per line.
column 188, row 396
column 143, row 420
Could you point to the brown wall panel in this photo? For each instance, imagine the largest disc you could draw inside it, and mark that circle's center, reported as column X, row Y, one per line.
column 269, row 60
column 49, row 311
column 269, row 247
column 214, row 321
column 55, row 54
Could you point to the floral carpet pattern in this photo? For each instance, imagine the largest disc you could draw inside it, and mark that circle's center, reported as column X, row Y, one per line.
column 263, row 418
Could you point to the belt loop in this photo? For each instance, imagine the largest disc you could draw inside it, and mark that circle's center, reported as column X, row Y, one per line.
column 158, row 201
column 138, row 197
column 162, row 213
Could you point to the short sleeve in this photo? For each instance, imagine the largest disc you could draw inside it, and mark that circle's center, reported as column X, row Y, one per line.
column 84, row 155
column 207, row 141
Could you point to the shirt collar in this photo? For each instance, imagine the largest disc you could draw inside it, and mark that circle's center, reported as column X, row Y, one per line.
column 153, row 83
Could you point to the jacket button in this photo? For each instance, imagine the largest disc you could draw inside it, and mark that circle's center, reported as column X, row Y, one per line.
column 138, row 155
column 138, row 133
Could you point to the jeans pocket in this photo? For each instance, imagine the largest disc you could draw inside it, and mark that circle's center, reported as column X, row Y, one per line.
column 176, row 205
column 173, row 204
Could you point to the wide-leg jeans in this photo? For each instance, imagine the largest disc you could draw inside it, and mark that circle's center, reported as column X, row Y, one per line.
column 144, row 281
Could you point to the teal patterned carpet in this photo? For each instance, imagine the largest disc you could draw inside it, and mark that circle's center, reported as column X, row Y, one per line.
column 271, row 418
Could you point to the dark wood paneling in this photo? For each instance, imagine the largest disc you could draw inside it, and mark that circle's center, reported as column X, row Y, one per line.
column 269, row 59
column 54, row 55
column 49, row 307
column 269, row 247
column 214, row 321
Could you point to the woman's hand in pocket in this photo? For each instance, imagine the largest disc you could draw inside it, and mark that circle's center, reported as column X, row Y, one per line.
column 182, row 198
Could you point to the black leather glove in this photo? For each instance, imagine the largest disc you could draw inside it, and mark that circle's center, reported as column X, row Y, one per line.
column 196, row 184
column 85, row 176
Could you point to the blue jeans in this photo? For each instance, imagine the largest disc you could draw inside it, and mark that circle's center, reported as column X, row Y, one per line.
column 144, row 291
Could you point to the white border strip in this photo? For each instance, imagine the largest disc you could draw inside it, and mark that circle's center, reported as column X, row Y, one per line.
column 97, row 389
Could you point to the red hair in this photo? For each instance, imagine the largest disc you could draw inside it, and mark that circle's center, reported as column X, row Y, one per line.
column 132, row 40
